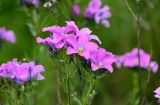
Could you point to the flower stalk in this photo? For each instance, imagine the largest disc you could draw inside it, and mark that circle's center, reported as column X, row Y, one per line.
column 138, row 24
column 68, row 92
column 90, row 90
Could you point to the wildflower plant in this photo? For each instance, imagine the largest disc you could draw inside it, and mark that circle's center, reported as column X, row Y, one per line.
column 78, row 60
column 17, row 79
column 77, row 55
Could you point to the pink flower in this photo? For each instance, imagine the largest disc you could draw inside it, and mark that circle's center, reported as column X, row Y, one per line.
column 87, row 32
column 7, row 35
column 21, row 72
column 93, row 11
column 157, row 95
column 82, row 46
column 76, row 10
column 154, row 66
column 92, row 8
column 79, row 42
column 130, row 59
column 60, row 35
column 102, row 59
column 101, row 16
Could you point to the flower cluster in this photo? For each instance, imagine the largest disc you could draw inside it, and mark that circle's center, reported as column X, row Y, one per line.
column 28, row 2
column 21, row 72
column 7, row 35
column 94, row 11
column 131, row 59
column 78, row 42
column 157, row 95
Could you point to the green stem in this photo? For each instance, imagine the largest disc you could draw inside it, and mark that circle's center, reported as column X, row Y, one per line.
column 135, row 89
column 128, row 6
column 91, row 87
column 147, row 87
column 79, row 69
column 58, row 88
column 68, row 87
column 138, row 22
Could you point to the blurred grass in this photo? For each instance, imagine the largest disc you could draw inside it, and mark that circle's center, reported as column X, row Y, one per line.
column 114, row 89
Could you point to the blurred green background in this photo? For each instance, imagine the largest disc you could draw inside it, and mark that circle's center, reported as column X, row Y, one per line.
column 115, row 88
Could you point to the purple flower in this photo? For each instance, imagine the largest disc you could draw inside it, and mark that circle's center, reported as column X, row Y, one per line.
column 21, row 72
column 154, row 66
column 102, row 59
column 71, row 28
column 130, row 59
column 157, row 95
column 79, row 42
column 101, row 16
column 92, row 8
column 27, row 2
column 76, row 10
column 60, row 35
column 93, row 11
column 82, row 46
column 87, row 32
column 7, row 35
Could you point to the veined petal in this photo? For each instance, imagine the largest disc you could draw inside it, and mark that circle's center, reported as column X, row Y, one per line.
column 72, row 41
column 95, row 38
column 109, row 68
column 51, row 29
column 71, row 27
column 36, row 70
column 95, row 5
column 70, row 51
column 40, row 77
column 105, row 23
column 84, row 31
column 154, row 66
column 86, row 54
column 57, row 37
column 91, row 46
column 59, row 44
column 94, row 67
column 40, row 40
column 83, row 39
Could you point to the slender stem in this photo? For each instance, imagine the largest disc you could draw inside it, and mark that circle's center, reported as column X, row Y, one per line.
column 147, row 82
column 91, row 87
column 68, row 87
column 135, row 89
column 128, row 6
column 81, row 84
column 147, row 86
column 58, row 89
column 80, row 76
column 138, row 22
column 79, row 70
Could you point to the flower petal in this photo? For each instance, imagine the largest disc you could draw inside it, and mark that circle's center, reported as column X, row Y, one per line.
column 70, row 51
column 95, row 38
column 94, row 67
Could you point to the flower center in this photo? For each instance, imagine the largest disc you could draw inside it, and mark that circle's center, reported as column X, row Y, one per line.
column 80, row 49
column 100, row 64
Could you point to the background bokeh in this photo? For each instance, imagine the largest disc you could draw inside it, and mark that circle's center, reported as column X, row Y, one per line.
column 115, row 88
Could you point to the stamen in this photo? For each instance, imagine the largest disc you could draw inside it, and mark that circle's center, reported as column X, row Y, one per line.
column 80, row 49
column 100, row 64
